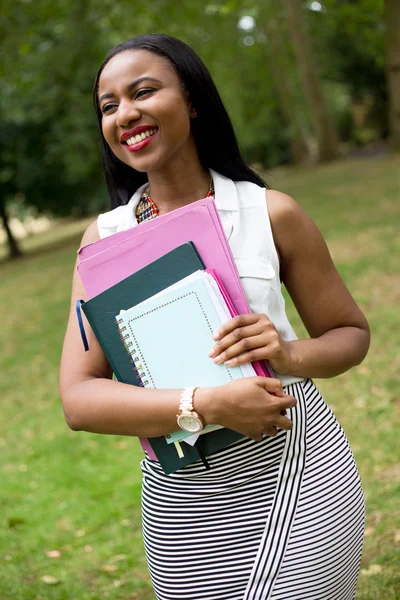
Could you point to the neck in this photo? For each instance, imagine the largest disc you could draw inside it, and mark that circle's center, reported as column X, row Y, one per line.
column 178, row 187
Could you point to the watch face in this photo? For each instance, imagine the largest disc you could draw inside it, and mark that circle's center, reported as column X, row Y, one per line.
column 189, row 423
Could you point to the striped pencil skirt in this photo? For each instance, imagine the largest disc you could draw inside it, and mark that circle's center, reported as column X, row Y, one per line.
column 279, row 519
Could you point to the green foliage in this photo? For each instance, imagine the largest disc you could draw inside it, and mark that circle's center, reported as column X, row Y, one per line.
column 51, row 50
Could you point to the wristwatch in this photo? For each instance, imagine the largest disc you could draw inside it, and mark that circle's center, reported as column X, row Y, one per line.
column 188, row 419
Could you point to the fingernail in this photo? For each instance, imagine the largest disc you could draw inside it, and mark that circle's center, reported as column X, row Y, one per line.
column 228, row 363
column 216, row 336
column 211, row 353
column 217, row 360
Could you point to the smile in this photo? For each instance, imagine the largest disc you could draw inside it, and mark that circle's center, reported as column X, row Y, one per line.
column 138, row 138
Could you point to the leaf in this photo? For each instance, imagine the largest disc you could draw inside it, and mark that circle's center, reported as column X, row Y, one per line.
column 121, row 445
column 372, row 570
column 53, row 554
column 118, row 557
column 110, row 568
column 126, row 523
column 80, row 532
column 50, row 580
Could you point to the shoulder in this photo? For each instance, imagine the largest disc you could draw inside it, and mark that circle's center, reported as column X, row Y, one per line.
column 281, row 207
column 291, row 225
column 91, row 234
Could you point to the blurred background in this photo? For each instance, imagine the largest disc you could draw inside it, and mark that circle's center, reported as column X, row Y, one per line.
column 303, row 81
column 313, row 89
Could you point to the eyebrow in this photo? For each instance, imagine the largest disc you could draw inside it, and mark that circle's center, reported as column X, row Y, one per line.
column 130, row 87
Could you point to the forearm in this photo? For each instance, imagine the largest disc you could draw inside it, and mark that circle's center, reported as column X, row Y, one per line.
column 105, row 406
column 330, row 354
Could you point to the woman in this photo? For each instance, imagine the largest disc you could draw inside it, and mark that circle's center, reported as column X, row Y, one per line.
column 280, row 514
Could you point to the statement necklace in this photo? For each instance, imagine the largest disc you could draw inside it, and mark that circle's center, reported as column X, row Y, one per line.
column 147, row 208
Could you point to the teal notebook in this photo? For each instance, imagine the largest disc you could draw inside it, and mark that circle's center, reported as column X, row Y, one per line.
column 168, row 338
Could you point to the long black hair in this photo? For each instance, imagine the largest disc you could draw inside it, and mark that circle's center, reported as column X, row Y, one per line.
column 213, row 132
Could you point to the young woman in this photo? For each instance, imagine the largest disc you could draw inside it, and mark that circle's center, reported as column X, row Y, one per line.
column 280, row 514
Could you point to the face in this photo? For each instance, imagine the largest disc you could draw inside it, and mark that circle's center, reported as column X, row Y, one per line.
column 145, row 114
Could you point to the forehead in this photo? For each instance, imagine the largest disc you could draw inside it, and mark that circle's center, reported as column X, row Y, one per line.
column 127, row 66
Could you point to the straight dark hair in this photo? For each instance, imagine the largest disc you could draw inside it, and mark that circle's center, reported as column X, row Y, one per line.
column 213, row 132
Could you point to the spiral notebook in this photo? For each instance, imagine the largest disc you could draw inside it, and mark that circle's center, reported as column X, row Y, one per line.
column 169, row 335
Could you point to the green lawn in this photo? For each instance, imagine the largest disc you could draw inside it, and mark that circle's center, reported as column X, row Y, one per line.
column 69, row 518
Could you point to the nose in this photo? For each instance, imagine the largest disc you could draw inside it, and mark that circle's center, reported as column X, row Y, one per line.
column 127, row 112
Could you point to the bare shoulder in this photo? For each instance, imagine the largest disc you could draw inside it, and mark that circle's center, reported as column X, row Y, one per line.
column 291, row 225
column 283, row 209
column 91, row 234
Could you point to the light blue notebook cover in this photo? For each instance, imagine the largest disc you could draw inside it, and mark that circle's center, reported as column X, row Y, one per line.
column 169, row 338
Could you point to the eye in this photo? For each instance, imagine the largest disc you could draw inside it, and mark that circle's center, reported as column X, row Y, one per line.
column 144, row 92
column 107, row 108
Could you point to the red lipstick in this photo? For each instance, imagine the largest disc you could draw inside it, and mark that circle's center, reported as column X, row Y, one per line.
column 137, row 131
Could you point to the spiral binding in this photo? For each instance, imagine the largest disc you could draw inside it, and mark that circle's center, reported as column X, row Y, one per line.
column 139, row 369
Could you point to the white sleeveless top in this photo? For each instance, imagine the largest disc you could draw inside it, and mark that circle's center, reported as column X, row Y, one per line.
column 243, row 211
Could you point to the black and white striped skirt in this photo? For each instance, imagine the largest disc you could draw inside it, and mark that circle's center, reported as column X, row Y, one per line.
column 279, row 519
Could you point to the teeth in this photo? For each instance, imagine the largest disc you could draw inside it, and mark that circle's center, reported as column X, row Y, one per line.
column 140, row 137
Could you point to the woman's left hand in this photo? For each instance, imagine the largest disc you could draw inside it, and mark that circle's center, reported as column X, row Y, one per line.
column 247, row 338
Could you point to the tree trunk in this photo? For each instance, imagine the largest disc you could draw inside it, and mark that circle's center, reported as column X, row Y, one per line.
column 279, row 67
column 14, row 251
column 392, row 17
column 305, row 56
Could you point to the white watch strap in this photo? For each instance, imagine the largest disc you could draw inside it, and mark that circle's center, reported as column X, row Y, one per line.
column 186, row 403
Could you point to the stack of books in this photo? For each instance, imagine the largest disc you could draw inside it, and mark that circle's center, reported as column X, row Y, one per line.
column 157, row 293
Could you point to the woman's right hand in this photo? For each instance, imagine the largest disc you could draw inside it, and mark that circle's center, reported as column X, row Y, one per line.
column 251, row 406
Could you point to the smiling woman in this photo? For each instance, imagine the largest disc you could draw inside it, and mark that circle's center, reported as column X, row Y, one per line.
column 280, row 513
column 139, row 94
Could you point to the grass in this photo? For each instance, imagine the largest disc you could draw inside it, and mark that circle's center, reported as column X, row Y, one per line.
column 70, row 519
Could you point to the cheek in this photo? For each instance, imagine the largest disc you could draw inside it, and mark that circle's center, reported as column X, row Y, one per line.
column 178, row 129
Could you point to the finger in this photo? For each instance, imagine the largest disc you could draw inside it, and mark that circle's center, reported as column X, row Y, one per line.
column 273, row 385
column 257, row 437
column 283, row 423
column 286, row 401
column 236, row 336
column 271, row 431
column 249, row 346
column 239, row 321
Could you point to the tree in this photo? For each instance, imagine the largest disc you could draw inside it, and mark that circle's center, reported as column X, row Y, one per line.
column 322, row 123
column 282, row 71
column 392, row 16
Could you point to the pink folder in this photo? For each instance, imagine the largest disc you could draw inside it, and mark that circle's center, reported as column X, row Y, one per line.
column 109, row 260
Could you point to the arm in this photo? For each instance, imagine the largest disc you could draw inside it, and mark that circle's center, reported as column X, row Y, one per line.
column 92, row 401
column 339, row 333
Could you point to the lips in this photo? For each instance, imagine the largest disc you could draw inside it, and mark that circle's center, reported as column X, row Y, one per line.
column 137, row 134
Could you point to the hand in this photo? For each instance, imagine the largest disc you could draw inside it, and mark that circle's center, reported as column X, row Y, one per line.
column 251, row 405
column 247, row 338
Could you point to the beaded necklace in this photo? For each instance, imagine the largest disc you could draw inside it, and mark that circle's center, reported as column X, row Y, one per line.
column 147, row 208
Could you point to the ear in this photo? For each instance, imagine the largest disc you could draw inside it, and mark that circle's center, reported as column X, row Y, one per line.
column 193, row 113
